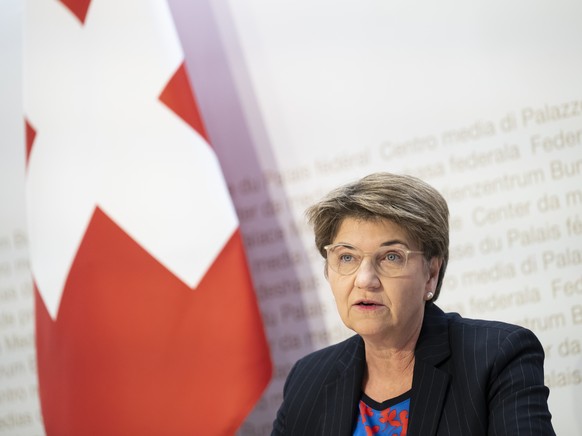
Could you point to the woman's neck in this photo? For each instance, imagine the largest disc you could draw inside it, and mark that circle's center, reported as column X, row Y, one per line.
column 388, row 374
column 389, row 367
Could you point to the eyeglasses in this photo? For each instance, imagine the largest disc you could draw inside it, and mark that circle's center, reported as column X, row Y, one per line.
column 388, row 261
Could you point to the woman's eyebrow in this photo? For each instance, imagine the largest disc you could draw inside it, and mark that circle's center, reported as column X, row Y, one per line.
column 394, row 242
column 345, row 244
column 383, row 244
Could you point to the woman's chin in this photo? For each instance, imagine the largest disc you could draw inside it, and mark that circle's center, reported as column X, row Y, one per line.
column 370, row 328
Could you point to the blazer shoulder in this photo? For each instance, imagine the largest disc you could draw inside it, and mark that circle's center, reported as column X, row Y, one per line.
column 340, row 355
column 471, row 337
column 484, row 329
column 492, row 342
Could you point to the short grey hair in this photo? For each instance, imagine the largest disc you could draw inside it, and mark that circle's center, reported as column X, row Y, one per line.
column 407, row 201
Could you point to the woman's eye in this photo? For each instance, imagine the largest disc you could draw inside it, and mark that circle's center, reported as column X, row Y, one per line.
column 345, row 258
column 393, row 256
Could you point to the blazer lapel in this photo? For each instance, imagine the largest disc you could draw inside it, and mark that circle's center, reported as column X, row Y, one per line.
column 343, row 392
column 430, row 384
column 429, row 388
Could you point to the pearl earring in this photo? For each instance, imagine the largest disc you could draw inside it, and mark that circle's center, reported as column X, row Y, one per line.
column 429, row 296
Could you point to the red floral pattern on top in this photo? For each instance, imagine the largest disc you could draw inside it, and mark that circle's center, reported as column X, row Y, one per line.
column 365, row 411
column 391, row 421
column 404, row 420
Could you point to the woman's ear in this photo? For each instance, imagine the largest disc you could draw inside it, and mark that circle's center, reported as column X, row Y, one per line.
column 434, row 268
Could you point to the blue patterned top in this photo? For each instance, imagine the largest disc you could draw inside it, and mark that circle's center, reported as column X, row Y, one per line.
column 387, row 418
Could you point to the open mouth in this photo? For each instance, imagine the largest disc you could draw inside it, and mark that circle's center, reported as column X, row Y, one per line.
column 367, row 304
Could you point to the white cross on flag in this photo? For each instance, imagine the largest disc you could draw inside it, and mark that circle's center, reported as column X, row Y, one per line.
column 147, row 322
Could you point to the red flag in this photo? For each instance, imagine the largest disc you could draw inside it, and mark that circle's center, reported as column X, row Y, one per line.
column 146, row 318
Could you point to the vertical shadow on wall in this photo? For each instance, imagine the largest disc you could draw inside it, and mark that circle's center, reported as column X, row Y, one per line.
column 279, row 263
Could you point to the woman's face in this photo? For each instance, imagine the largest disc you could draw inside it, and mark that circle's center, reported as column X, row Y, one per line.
column 376, row 306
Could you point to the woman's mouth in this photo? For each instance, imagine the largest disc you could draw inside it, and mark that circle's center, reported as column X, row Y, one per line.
column 366, row 304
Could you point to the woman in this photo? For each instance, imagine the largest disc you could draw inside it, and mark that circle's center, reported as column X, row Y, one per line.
column 411, row 369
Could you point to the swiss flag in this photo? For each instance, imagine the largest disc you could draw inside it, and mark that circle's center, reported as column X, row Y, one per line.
column 147, row 323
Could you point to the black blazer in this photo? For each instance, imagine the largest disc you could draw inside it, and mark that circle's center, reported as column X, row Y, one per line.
column 471, row 377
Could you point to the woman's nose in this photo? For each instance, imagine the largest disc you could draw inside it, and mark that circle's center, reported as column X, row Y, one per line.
column 366, row 275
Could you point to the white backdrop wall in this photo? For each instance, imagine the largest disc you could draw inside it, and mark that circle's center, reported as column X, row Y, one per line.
column 483, row 100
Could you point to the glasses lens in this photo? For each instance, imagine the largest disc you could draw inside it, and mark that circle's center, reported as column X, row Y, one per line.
column 346, row 260
column 391, row 260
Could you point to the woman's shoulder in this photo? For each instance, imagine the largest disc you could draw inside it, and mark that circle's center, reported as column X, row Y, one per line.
column 342, row 352
column 457, row 322
column 486, row 328
column 481, row 333
column 316, row 369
